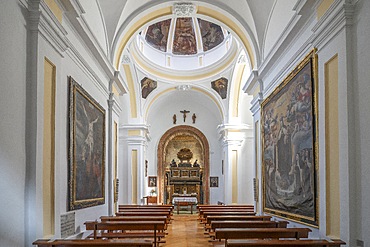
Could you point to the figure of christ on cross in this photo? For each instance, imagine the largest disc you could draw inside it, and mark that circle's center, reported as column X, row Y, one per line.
column 184, row 114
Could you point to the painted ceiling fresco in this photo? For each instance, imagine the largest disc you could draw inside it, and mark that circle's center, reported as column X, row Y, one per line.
column 220, row 86
column 147, row 86
column 212, row 34
column 184, row 42
column 157, row 35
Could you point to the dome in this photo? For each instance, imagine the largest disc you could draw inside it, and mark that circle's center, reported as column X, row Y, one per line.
column 184, row 43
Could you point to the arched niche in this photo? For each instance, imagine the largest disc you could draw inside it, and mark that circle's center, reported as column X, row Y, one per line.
column 167, row 137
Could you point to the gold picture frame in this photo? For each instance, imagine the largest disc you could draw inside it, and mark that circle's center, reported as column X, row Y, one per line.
column 290, row 147
column 86, row 149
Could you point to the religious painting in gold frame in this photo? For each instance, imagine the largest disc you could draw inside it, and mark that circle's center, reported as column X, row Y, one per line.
column 290, row 146
column 86, row 149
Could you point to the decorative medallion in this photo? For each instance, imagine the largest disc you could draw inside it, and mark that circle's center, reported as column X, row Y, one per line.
column 184, row 9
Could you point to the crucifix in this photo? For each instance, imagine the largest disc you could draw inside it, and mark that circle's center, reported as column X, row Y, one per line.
column 184, row 113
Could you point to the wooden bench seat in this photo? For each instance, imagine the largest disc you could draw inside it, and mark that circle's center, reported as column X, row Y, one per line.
column 245, row 233
column 93, row 242
column 244, row 224
column 203, row 219
column 117, row 229
column 241, row 218
column 287, row 243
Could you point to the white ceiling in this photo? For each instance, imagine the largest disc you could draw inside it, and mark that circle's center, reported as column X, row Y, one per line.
column 263, row 21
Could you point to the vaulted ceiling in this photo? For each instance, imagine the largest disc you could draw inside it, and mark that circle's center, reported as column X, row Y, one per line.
column 256, row 27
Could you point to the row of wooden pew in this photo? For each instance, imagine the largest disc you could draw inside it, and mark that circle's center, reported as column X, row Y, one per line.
column 133, row 225
column 238, row 225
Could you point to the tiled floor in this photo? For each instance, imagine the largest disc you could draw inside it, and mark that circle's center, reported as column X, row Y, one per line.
column 185, row 230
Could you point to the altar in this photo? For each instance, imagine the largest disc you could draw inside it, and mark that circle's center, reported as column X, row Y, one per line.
column 183, row 181
column 184, row 200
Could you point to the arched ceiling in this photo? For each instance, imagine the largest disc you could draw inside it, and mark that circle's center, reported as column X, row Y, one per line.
column 256, row 25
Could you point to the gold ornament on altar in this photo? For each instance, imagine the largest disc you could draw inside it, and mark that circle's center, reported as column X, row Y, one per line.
column 184, row 154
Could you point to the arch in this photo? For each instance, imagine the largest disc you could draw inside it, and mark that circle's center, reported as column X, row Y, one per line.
column 166, row 137
column 129, row 29
column 152, row 100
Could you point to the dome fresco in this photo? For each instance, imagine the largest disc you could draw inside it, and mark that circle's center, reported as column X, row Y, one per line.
column 187, row 34
column 212, row 34
column 157, row 35
column 184, row 42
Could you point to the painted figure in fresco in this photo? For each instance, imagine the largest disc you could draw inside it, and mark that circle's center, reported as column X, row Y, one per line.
column 194, row 117
column 174, row 118
column 196, row 163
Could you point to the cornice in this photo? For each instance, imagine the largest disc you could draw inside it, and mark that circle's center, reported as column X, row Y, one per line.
column 51, row 29
column 256, row 104
column 251, row 82
column 339, row 16
column 75, row 15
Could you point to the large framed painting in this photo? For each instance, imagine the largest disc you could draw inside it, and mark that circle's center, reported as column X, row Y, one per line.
column 86, row 149
column 289, row 146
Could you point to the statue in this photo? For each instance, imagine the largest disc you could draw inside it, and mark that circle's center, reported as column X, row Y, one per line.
column 174, row 118
column 194, row 117
column 184, row 113
column 173, row 163
column 195, row 164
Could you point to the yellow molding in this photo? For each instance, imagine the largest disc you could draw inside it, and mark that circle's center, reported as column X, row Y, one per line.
column 237, row 83
column 53, row 6
column 323, row 7
column 131, row 89
column 134, row 133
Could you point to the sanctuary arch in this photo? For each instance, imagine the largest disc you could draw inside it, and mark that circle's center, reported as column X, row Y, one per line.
column 170, row 144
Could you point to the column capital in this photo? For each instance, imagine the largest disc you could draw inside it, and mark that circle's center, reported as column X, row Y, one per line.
column 137, row 132
column 233, row 134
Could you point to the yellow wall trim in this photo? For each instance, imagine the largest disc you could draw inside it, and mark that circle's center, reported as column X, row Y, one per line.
column 323, row 7
column 134, row 175
column 238, row 81
column 332, row 149
column 131, row 89
column 234, row 172
column 53, row 6
column 49, row 149
column 134, row 133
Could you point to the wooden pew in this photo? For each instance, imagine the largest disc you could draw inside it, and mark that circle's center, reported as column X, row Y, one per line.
column 136, row 218
column 245, row 233
column 286, row 243
column 248, row 224
column 233, row 217
column 92, row 242
column 119, row 229
column 244, row 224
column 167, row 210
column 209, row 219
column 220, row 206
column 126, row 206
column 205, row 215
column 203, row 212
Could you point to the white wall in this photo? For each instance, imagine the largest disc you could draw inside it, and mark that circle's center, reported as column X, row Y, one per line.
column 361, row 81
column 13, row 53
column 208, row 118
column 353, row 115
column 21, row 179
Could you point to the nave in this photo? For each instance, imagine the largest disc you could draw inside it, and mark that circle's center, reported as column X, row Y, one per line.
column 213, row 225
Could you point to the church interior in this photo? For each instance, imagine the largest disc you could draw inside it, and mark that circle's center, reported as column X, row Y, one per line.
column 108, row 103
